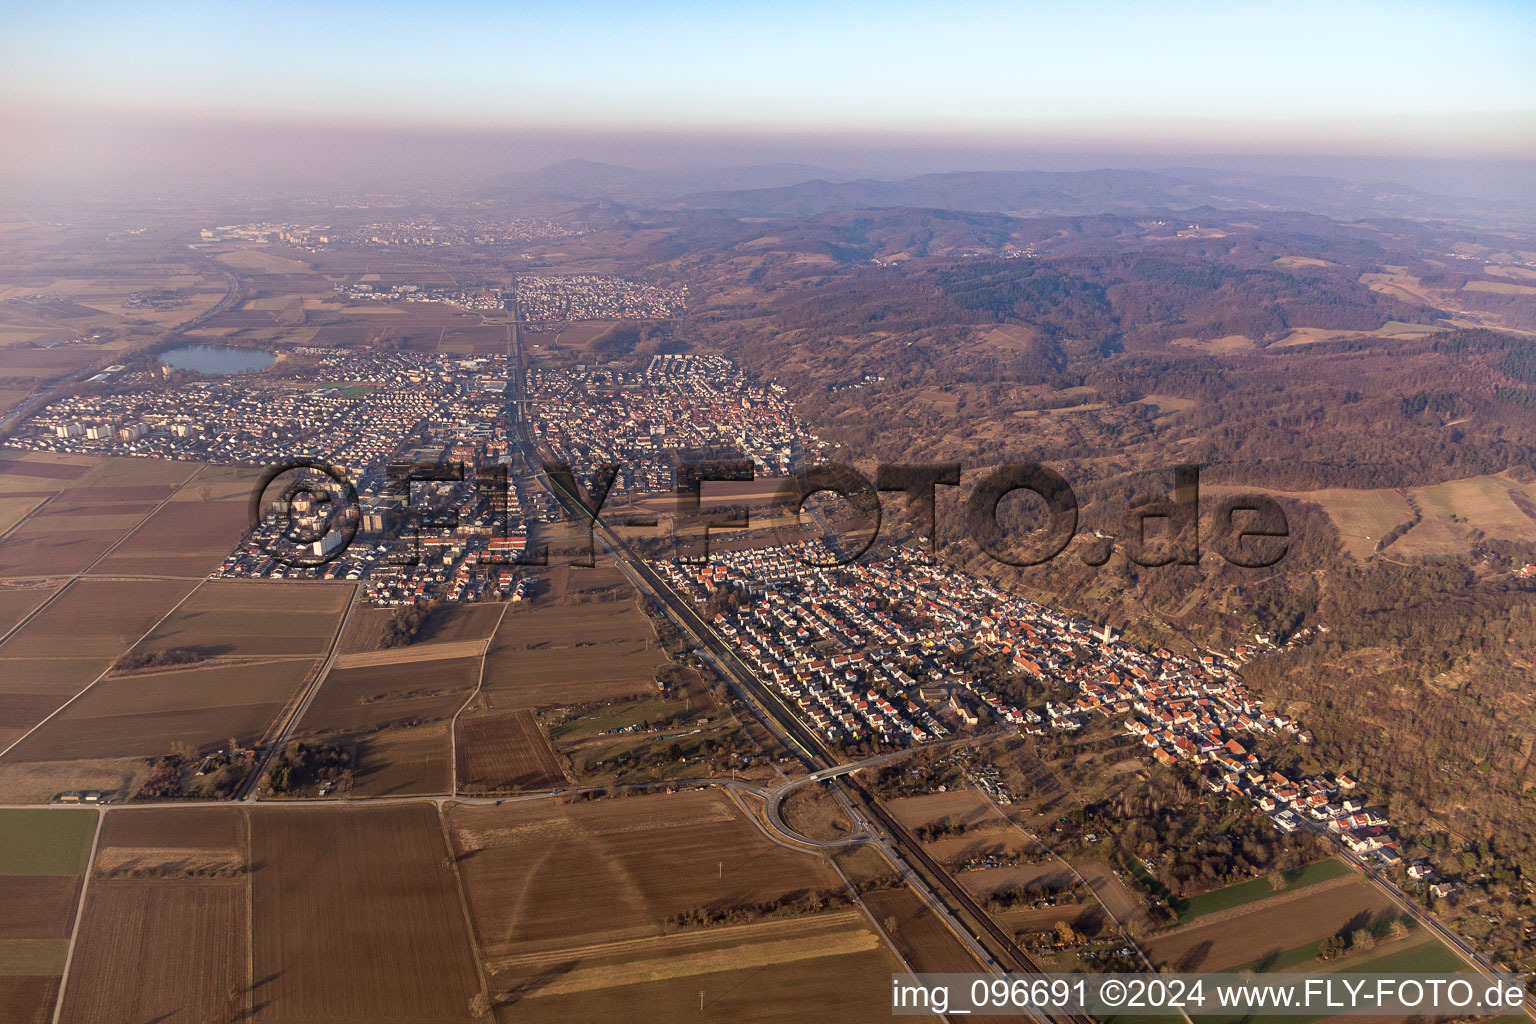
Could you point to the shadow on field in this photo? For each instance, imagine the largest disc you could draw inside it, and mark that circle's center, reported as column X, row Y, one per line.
column 529, row 986
column 1194, row 956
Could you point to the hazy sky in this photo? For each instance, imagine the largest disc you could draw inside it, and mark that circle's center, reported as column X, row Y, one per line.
column 1296, row 71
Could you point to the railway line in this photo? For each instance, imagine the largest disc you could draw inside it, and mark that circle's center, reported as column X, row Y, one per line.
column 992, row 945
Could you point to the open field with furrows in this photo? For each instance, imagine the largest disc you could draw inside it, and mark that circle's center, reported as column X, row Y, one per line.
column 559, row 654
column 149, row 714
column 267, row 618
column 83, row 478
column 646, row 858
column 38, row 906
column 504, row 751
column 15, row 508
column 921, row 938
column 356, row 917
column 95, row 618
column 403, row 761
column 1251, row 931
column 450, row 623
column 172, row 842
column 28, row 999
column 596, row 623
column 411, row 654
column 963, row 806
column 363, row 699
column 29, row 552
column 31, row 689
column 43, row 854
column 185, row 538
column 164, row 933
column 90, row 504
column 824, row 967
column 160, row 949
column 397, row 717
column 17, row 602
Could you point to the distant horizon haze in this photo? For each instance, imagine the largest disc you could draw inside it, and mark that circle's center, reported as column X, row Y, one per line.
column 60, row 150
column 172, row 94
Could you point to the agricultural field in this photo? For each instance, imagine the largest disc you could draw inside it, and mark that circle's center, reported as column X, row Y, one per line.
column 95, row 618
column 226, row 618
column 1492, row 504
column 1242, row 933
column 924, row 942
column 172, row 841
column 641, row 739
column 38, row 906
column 47, row 841
column 449, row 623
column 356, row 917
column 169, row 885
column 655, row 855
column 403, row 761
column 826, row 967
column 396, row 715
column 378, row 696
column 39, row 782
column 573, row 338
column 152, row 714
column 14, row 509
column 571, row 653
column 43, row 855
column 31, row 689
column 191, row 533
column 159, row 949
column 60, row 539
column 1362, row 517
column 551, row 958
column 963, row 806
column 17, row 602
column 28, row 999
column 1242, row 893
column 478, row 340
column 505, row 751
column 1451, row 511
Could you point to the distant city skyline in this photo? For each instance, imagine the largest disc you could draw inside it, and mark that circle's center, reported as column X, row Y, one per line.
column 1404, row 76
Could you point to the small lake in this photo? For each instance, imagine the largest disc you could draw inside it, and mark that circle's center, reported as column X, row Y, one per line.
column 217, row 359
